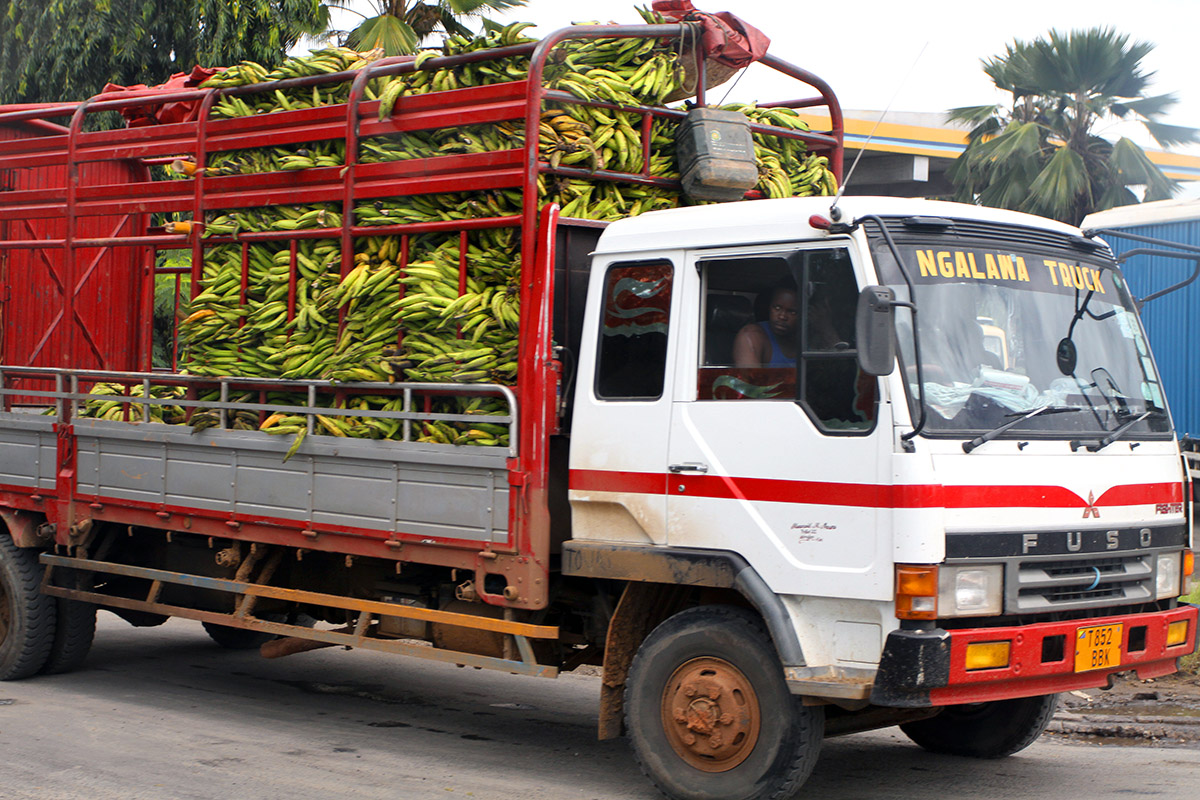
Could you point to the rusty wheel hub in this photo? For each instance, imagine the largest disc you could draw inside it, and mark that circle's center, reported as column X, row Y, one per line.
column 710, row 714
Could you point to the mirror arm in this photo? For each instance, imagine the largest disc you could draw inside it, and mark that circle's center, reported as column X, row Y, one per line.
column 906, row 438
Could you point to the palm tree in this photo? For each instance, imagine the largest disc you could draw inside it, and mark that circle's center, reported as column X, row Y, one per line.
column 401, row 25
column 1042, row 152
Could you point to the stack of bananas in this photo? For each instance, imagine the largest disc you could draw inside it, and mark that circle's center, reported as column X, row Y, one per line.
column 415, row 318
column 624, row 72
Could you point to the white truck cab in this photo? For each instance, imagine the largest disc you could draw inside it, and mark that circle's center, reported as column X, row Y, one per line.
column 999, row 515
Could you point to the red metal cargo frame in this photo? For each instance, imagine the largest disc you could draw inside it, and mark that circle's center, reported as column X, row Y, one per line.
column 539, row 372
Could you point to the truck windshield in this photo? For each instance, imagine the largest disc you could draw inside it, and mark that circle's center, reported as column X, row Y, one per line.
column 1007, row 328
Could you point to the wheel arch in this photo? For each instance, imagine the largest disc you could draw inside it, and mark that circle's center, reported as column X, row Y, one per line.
column 25, row 527
column 659, row 582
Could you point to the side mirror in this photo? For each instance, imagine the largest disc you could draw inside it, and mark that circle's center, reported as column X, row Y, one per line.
column 875, row 330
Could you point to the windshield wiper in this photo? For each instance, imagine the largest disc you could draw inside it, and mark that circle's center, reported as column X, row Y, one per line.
column 1112, row 437
column 992, row 434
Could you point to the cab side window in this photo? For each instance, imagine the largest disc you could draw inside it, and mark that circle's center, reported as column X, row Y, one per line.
column 749, row 337
column 782, row 328
column 632, row 359
column 831, row 388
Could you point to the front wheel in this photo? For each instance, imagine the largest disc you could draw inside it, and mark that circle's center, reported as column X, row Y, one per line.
column 26, row 615
column 709, row 714
column 984, row 730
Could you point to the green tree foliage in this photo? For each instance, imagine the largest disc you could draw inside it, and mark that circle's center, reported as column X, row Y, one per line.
column 68, row 49
column 401, row 25
column 1041, row 152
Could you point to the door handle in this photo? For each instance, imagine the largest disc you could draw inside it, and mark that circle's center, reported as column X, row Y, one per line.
column 688, row 466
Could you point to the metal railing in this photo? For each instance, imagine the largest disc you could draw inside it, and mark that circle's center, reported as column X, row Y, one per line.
column 68, row 399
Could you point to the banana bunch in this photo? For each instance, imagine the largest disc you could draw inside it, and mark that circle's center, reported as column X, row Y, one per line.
column 388, row 90
column 274, row 218
column 319, row 62
column 232, row 330
column 244, row 73
column 113, row 401
column 565, row 140
column 647, row 82
column 607, row 201
column 443, row 142
column 432, row 208
column 479, row 433
column 785, row 167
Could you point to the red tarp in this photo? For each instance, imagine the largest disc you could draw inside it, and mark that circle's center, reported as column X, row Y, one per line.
column 164, row 113
column 726, row 39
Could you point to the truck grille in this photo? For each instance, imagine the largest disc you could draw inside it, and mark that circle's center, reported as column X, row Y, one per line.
column 1069, row 583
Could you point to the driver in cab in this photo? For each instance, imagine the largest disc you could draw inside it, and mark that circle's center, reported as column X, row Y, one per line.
column 771, row 343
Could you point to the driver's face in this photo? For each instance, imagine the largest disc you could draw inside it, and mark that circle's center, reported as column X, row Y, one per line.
column 781, row 316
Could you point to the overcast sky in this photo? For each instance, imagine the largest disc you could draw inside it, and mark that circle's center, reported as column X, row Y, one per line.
column 867, row 51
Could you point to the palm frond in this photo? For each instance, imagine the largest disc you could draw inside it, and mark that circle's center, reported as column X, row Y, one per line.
column 393, row 35
column 1168, row 135
column 1021, row 142
column 1062, row 183
column 1151, row 107
column 973, row 115
column 1132, row 167
column 478, row 7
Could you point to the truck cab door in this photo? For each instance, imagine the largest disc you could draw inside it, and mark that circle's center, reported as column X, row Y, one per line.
column 779, row 460
column 623, row 403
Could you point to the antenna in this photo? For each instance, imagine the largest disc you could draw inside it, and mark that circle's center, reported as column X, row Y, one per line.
column 834, row 213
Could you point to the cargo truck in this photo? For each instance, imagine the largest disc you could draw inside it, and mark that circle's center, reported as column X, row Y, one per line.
column 944, row 490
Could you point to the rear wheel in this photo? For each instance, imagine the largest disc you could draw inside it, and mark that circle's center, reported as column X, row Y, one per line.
column 985, row 730
column 709, row 713
column 75, row 627
column 26, row 615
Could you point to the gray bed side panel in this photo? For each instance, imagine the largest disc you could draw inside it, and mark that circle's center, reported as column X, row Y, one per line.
column 431, row 492
column 28, row 451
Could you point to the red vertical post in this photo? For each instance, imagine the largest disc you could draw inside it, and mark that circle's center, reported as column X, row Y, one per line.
column 647, row 132
column 201, row 158
column 146, row 313
column 349, row 171
column 67, row 319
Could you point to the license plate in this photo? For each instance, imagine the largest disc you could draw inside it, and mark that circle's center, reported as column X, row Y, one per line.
column 1097, row 647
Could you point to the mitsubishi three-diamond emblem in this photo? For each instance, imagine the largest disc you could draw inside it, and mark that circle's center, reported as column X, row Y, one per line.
column 1090, row 509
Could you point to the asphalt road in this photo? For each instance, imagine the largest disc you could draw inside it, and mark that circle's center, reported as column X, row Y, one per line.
column 163, row 713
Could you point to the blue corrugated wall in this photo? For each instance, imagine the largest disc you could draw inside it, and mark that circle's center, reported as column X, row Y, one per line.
column 1171, row 321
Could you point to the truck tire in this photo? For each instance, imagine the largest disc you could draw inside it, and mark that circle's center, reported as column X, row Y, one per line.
column 243, row 639
column 26, row 615
column 74, row 630
column 709, row 714
column 984, row 730
column 236, row 638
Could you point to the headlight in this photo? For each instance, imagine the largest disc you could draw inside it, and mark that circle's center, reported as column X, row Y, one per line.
column 1168, row 577
column 970, row 591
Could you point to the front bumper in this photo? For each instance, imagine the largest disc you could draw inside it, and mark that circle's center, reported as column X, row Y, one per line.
column 928, row 668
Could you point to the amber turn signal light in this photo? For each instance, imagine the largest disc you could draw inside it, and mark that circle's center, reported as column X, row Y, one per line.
column 916, row 591
column 1177, row 633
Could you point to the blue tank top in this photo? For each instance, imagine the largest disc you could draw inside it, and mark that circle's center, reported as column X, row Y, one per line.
column 778, row 359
